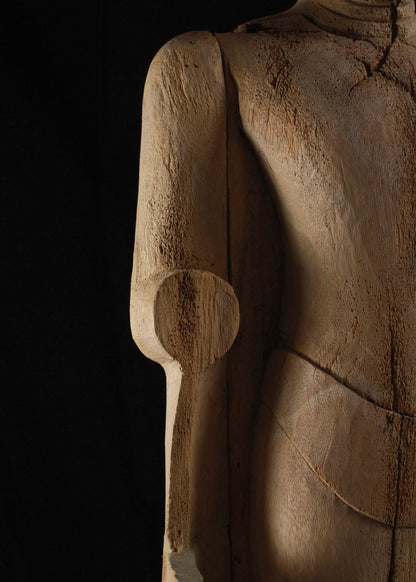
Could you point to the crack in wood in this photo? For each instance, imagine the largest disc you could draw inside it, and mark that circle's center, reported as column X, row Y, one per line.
column 320, row 475
column 343, row 381
column 400, row 85
column 229, row 277
column 394, row 32
column 393, row 537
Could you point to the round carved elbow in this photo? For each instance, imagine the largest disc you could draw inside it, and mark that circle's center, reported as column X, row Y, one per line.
column 190, row 316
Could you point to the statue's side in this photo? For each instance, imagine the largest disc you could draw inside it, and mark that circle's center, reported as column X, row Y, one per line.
column 282, row 158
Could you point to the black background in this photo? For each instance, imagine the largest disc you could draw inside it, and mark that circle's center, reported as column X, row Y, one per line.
column 81, row 410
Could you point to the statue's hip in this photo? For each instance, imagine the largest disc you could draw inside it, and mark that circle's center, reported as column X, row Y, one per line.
column 333, row 481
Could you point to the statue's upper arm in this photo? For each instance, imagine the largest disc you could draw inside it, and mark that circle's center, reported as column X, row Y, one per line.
column 182, row 179
column 182, row 203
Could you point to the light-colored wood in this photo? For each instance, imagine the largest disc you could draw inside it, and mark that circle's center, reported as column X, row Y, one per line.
column 303, row 531
column 278, row 182
column 184, row 314
column 332, row 428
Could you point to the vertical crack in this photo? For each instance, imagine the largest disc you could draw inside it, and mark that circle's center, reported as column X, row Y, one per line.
column 394, row 388
column 393, row 366
column 371, row 68
column 393, row 535
column 229, row 277
column 394, row 32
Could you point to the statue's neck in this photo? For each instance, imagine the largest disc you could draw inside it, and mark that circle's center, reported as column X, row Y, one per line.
column 363, row 19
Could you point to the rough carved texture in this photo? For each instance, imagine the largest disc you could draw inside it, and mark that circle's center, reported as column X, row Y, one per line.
column 281, row 158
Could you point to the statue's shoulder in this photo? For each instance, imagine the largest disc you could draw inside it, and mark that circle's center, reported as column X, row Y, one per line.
column 186, row 74
column 185, row 85
column 190, row 50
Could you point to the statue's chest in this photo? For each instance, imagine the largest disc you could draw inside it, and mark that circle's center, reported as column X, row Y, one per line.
column 339, row 142
column 318, row 94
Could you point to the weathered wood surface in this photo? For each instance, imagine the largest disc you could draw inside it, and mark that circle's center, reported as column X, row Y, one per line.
column 282, row 158
column 184, row 314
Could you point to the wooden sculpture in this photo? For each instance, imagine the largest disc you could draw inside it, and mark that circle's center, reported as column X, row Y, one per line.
column 277, row 187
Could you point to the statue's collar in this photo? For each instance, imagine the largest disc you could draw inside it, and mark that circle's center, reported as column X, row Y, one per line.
column 360, row 19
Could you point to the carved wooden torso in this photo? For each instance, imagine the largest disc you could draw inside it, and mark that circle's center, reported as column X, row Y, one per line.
column 333, row 122
column 340, row 149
